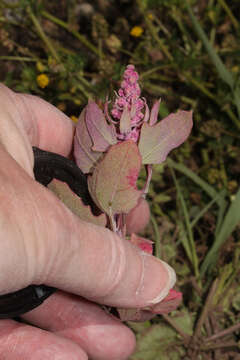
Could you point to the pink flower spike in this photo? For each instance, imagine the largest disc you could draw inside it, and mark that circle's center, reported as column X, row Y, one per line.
column 128, row 106
column 133, row 135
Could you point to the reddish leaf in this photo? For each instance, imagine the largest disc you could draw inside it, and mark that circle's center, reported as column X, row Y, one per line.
column 75, row 204
column 154, row 113
column 158, row 140
column 143, row 243
column 84, row 155
column 136, row 315
column 100, row 132
column 170, row 303
column 113, row 183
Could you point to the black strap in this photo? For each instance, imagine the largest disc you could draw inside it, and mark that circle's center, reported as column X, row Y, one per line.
column 47, row 166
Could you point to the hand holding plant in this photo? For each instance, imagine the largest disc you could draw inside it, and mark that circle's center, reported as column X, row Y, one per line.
column 44, row 242
column 111, row 147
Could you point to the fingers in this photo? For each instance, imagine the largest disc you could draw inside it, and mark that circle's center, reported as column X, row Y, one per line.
column 20, row 341
column 138, row 217
column 45, row 241
column 100, row 335
column 50, row 245
column 30, row 121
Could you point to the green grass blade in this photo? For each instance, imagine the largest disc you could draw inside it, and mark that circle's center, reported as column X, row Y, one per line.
column 158, row 252
column 223, row 204
column 207, row 207
column 195, row 178
column 223, row 72
column 191, row 244
column 231, row 220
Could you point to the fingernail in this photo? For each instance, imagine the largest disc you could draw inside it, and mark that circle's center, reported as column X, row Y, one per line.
column 157, row 280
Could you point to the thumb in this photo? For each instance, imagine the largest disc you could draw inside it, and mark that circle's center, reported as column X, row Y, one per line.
column 44, row 242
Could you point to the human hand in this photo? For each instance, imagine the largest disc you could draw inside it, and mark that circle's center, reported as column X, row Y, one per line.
column 42, row 242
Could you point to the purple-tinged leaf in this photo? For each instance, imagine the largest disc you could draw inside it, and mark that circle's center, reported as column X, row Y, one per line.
column 113, row 182
column 136, row 315
column 154, row 113
column 100, row 132
column 146, row 115
column 170, row 303
column 75, row 204
column 158, row 140
column 143, row 243
column 85, row 157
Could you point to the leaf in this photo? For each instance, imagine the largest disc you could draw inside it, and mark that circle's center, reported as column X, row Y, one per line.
column 100, row 132
column 158, row 140
column 85, row 157
column 75, row 204
column 154, row 113
column 113, row 183
column 136, row 315
column 168, row 304
column 143, row 243
column 231, row 220
column 159, row 342
column 125, row 121
column 185, row 321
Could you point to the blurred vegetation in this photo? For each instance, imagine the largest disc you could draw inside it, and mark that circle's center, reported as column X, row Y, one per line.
column 187, row 53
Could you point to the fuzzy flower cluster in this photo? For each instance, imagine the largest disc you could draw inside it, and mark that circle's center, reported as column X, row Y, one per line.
column 128, row 106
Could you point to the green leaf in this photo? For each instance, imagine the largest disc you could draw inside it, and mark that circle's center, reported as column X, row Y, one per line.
column 75, row 204
column 158, row 140
column 185, row 321
column 188, row 243
column 113, row 182
column 158, row 342
column 200, row 182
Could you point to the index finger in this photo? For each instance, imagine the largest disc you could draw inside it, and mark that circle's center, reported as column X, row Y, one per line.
column 39, row 122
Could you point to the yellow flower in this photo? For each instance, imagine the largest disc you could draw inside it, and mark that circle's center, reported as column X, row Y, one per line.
column 74, row 118
column 42, row 80
column 136, row 31
column 150, row 16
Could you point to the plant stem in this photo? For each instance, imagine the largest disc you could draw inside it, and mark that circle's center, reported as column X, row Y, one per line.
column 176, row 327
column 146, row 74
column 75, row 33
column 213, row 97
column 219, row 346
column 43, row 35
column 223, row 333
column 205, row 310
column 158, row 252
column 230, row 14
column 18, row 58
column 154, row 32
column 191, row 243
